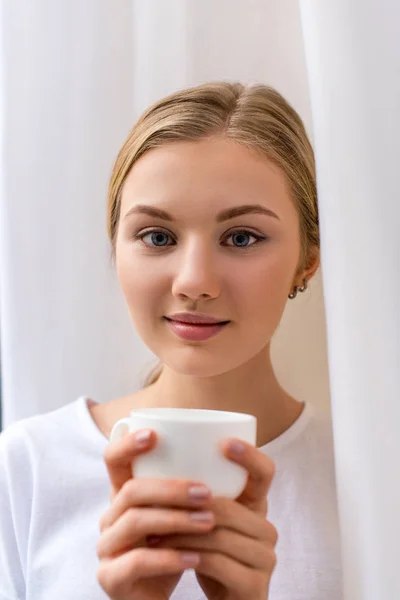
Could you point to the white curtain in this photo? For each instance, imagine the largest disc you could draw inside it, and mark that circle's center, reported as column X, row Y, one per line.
column 68, row 105
column 76, row 75
column 353, row 56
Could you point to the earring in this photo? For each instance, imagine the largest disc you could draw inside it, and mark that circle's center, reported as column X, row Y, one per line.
column 298, row 289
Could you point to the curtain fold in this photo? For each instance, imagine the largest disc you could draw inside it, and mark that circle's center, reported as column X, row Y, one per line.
column 77, row 75
column 353, row 57
column 68, row 105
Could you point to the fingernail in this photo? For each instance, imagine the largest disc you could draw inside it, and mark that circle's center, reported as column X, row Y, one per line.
column 236, row 447
column 199, row 492
column 143, row 437
column 190, row 558
column 202, row 517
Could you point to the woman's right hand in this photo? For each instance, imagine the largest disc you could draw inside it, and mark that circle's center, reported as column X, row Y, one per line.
column 130, row 569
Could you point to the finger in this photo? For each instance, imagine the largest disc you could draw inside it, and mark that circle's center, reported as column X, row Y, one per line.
column 120, row 455
column 138, row 523
column 176, row 493
column 240, row 579
column 237, row 517
column 117, row 576
column 248, row 551
column 260, row 468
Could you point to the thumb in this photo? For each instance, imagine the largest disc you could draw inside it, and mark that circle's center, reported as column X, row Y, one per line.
column 119, row 456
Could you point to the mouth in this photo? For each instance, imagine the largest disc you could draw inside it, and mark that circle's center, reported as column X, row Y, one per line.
column 195, row 331
column 196, row 318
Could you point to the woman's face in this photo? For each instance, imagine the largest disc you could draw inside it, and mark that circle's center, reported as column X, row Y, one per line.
column 228, row 246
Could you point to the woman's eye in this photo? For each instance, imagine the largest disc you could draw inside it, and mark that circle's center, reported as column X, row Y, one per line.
column 157, row 239
column 241, row 239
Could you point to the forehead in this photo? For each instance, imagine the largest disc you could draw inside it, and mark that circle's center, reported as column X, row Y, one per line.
column 208, row 173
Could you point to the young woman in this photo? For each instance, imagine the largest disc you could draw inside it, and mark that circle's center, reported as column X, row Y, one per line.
column 213, row 222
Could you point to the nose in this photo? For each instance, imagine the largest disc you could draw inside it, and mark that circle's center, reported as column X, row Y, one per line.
column 196, row 275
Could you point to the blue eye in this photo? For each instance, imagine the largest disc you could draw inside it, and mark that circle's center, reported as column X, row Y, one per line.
column 242, row 238
column 158, row 238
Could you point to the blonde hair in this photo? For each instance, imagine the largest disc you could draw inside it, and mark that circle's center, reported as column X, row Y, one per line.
column 256, row 116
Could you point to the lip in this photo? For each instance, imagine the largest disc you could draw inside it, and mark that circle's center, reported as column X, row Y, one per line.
column 195, row 332
column 195, row 319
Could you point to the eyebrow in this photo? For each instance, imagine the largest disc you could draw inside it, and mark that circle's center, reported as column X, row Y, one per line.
column 230, row 213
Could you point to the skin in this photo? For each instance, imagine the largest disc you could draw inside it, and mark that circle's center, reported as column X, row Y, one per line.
column 234, row 551
column 201, row 266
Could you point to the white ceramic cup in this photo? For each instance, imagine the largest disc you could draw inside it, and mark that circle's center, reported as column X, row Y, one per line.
column 187, row 446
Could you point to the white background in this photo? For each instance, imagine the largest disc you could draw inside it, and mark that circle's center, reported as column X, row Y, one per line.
column 76, row 76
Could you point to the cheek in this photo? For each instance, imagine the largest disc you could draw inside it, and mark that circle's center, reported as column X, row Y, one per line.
column 263, row 285
column 138, row 281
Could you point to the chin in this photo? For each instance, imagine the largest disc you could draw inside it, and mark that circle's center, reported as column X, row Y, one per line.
column 192, row 364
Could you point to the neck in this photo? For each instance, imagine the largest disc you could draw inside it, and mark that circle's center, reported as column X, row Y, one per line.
column 251, row 388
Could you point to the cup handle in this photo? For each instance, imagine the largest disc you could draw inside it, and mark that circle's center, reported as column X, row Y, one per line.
column 119, row 429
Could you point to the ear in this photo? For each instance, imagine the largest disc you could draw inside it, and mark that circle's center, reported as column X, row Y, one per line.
column 313, row 264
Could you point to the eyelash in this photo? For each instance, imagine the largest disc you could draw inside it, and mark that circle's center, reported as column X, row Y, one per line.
column 259, row 238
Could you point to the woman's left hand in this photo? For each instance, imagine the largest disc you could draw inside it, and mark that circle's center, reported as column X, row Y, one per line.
column 237, row 558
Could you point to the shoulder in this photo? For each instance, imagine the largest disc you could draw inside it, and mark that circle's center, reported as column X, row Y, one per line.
column 13, row 442
column 308, row 448
column 318, row 452
column 16, row 468
column 320, row 428
column 28, row 437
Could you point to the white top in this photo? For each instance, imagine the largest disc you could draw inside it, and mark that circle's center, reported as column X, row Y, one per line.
column 54, row 487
